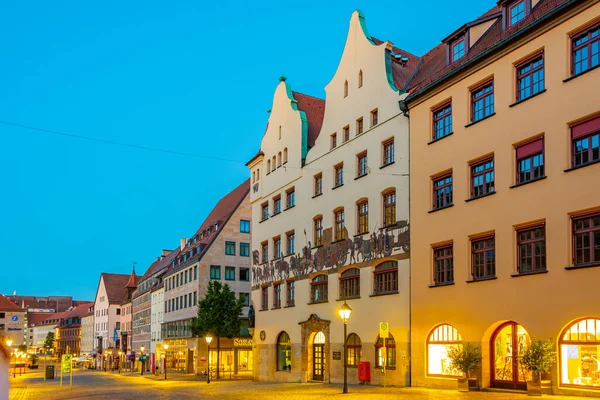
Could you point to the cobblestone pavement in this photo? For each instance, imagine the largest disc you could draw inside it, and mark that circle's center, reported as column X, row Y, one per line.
column 100, row 385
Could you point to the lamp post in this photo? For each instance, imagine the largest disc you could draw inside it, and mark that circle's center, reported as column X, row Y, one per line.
column 166, row 346
column 208, row 340
column 143, row 359
column 120, row 354
column 345, row 312
column 9, row 344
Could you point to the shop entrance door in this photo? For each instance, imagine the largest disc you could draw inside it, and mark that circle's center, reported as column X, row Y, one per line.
column 318, row 356
column 190, row 361
column 508, row 344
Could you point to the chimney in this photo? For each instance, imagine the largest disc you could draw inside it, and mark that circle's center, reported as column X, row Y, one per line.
column 183, row 243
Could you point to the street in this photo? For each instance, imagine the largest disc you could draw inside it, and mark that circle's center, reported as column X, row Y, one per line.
column 100, row 385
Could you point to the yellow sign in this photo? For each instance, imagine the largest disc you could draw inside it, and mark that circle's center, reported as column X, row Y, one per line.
column 242, row 342
column 384, row 330
column 66, row 363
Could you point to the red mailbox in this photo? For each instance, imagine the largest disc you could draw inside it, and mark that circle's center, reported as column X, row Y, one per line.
column 364, row 372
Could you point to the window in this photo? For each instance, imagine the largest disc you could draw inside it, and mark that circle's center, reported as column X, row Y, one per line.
column 230, row 248
column 586, row 239
column 482, row 177
column 360, row 78
column 195, row 272
column 353, row 349
column 530, row 77
column 244, row 226
column 195, row 298
column 277, row 295
column 483, row 257
column 318, row 184
column 318, row 289
column 245, row 249
column 346, row 89
column 291, row 293
column 346, row 132
column 291, row 198
column 443, row 339
column 482, row 101
column 277, row 247
column 443, row 265
column 265, row 298
column 186, row 275
column 340, row 229
column 363, row 216
column 118, row 311
column 264, row 212
column 517, row 12
column 374, row 117
column 579, row 353
column 458, row 50
column 279, row 160
column 385, row 278
column 442, row 121
column 350, row 283
column 285, row 155
column 244, row 274
column 531, row 248
column 334, row 141
column 338, row 175
column 273, row 166
column 264, row 247
column 359, row 126
column 230, row 273
column 245, row 299
column 530, row 161
column 585, row 137
column 290, row 246
column 276, row 205
column 387, row 358
column 284, row 349
column 388, row 152
column 268, row 167
column 442, row 191
column 279, row 132
column 318, row 231
column 585, row 47
column 389, row 208
column 361, row 164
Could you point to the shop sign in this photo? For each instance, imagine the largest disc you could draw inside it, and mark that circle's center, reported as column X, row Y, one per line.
column 337, row 355
column 14, row 329
column 66, row 363
column 15, row 318
column 242, row 342
column 203, row 359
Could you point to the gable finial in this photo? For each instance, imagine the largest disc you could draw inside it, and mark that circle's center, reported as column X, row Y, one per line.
column 282, row 78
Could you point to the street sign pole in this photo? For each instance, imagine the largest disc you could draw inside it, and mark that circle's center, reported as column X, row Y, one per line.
column 384, row 330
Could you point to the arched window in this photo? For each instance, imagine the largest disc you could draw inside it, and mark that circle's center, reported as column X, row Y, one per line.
column 268, row 166
column 318, row 289
column 258, row 174
column 580, row 354
column 319, row 338
column 285, row 155
column 360, row 78
column 273, row 165
column 253, row 176
column 346, row 89
column 284, row 352
column 279, row 159
column 387, row 357
column 340, row 223
column 385, row 278
column 350, row 283
column 441, row 340
column 279, row 132
column 389, row 207
column 354, row 346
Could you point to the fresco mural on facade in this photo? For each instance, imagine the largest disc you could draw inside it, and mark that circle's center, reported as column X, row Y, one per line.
column 333, row 254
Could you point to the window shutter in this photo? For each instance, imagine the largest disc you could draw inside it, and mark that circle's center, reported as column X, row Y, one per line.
column 528, row 149
column 585, row 128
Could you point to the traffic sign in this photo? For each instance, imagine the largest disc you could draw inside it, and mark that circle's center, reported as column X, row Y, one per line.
column 384, row 330
column 66, row 363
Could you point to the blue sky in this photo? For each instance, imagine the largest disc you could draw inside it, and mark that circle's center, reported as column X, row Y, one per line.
column 181, row 76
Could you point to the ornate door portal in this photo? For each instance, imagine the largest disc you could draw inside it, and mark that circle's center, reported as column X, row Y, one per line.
column 318, row 356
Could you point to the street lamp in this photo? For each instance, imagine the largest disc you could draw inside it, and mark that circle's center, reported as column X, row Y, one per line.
column 166, row 346
column 208, row 340
column 143, row 359
column 120, row 354
column 9, row 344
column 345, row 312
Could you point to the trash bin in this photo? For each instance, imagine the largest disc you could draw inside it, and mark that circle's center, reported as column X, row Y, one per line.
column 364, row 372
column 49, row 371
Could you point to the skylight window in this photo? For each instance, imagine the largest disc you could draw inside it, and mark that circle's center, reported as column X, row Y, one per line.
column 458, row 50
column 517, row 12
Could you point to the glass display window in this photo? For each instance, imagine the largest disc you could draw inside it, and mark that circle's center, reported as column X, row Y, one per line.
column 580, row 354
column 509, row 343
column 439, row 343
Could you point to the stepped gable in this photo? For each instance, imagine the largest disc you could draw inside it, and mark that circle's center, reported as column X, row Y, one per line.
column 314, row 109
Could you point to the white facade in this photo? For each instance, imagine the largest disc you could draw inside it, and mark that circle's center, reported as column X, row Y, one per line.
column 361, row 96
column 40, row 332
column 107, row 318
column 87, row 334
column 157, row 318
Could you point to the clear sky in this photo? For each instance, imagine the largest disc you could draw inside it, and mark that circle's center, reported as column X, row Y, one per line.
column 187, row 76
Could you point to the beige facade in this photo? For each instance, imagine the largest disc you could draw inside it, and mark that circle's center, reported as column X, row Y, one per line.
column 343, row 236
column 157, row 318
column 125, row 326
column 13, row 325
column 534, row 279
column 87, row 334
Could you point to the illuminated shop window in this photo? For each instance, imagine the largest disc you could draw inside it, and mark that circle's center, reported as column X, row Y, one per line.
column 284, row 352
column 580, row 354
column 441, row 340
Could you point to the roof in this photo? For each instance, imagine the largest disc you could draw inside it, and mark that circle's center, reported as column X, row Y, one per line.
column 79, row 311
column 115, row 285
column 8, row 305
column 220, row 214
column 160, row 264
column 133, row 280
column 401, row 73
column 34, row 319
column 434, row 69
column 314, row 108
column 57, row 303
column 54, row 317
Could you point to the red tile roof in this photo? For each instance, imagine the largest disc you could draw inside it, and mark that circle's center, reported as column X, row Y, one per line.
column 79, row 311
column 161, row 263
column 115, row 285
column 54, row 317
column 133, row 280
column 314, row 108
column 8, row 305
column 401, row 73
column 34, row 319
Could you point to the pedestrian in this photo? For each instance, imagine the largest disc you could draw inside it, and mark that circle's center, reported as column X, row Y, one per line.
column 4, row 369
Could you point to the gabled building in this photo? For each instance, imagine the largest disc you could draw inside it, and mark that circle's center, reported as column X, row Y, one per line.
column 69, row 330
column 219, row 250
column 330, row 221
column 12, row 321
column 107, row 310
column 126, row 314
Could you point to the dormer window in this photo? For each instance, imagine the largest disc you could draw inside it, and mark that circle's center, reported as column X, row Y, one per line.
column 516, row 12
column 458, row 50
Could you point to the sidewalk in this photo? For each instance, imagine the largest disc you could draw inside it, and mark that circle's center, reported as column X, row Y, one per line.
column 179, row 376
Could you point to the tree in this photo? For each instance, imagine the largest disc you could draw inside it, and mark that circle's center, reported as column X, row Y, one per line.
column 49, row 342
column 538, row 358
column 218, row 314
column 22, row 348
column 466, row 358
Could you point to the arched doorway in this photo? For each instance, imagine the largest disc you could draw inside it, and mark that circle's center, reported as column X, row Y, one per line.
column 318, row 356
column 580, row 354
column 508, row 343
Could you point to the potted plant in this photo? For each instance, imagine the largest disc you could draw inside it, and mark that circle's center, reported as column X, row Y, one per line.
column 538, row 358
column 465, row 357
column 34, row 361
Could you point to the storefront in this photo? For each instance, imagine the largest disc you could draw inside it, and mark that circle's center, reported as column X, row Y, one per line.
column 235, row 357
column 181, row 355
column 579, row 349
